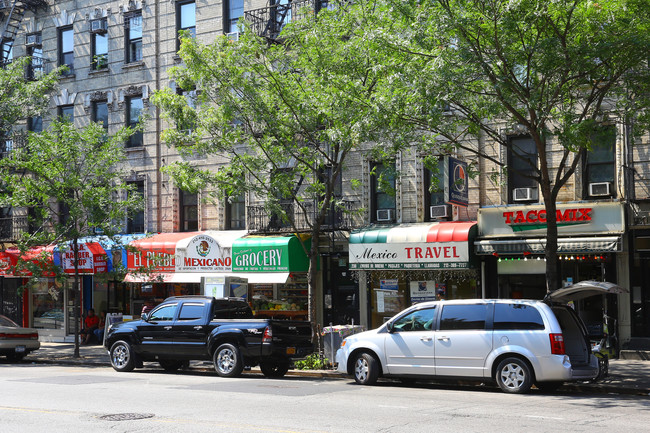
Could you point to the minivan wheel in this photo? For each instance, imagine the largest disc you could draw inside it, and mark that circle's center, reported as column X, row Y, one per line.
column 514, row 376
column 366, row 370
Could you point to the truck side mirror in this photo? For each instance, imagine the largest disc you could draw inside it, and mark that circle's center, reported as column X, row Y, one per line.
column 144, row 317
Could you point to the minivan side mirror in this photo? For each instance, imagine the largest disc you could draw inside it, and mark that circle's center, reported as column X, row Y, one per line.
column 389, row 327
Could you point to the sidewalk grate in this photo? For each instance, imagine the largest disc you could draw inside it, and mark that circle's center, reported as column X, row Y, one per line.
column 126, row 416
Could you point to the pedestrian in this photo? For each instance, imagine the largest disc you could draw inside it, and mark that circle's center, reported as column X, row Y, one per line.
column 91, row 323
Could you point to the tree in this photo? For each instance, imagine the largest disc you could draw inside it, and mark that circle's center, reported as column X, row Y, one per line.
column 280, row 118
column 72, row 178
column 550, row 69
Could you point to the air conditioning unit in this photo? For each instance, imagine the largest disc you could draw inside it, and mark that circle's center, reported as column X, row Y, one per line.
column 33, row 40
column 600, row 189
column 384, row 214
column 439, row 211
column 524, row 194
column 98, row 26
column 233, row 36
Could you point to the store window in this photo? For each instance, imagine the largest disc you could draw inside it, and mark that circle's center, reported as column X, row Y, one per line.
column 600, row 164
column 134, row 108
column 66, row 49
column 186, row 18
column 133, row 38
column 522, row 163
column 383, row 193
column 47, row 305
column 189, row 211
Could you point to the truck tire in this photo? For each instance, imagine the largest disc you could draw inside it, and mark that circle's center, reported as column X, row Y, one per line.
column 122, row 356
column 274, row 368
column 227, row 361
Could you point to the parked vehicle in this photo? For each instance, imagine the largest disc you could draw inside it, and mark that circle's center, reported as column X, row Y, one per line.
column 204, row 328
column 15, row 341
column 516, row 343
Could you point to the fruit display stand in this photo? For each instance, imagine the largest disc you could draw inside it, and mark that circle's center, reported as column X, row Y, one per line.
column 285, row 301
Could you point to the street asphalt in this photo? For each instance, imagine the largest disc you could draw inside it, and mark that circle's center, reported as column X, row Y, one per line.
column 625, row 376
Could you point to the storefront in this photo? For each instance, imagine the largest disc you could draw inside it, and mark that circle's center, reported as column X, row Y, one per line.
column 512, row 243
column 173, row 264
column 409, row 263
column 276, row 269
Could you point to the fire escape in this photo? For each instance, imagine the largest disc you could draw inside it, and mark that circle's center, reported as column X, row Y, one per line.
column 11, row 15
column 269, row 21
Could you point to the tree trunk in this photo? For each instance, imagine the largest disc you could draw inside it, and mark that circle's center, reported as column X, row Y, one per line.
column 77, row 302
column 551, row 246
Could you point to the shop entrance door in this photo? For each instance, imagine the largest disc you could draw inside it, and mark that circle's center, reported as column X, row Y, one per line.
column 641, row 300
column 71, row 296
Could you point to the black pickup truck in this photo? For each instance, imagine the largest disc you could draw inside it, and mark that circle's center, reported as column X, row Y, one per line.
column 223, row 330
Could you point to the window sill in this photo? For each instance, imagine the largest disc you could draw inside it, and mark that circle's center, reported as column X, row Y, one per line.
column 131, row 65
column 67, row 77
column 134, row 149
column 98, row 71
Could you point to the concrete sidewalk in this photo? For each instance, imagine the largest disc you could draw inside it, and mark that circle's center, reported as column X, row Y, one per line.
column 625, row 376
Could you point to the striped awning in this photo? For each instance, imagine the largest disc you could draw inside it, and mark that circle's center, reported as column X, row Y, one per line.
column 606, row 244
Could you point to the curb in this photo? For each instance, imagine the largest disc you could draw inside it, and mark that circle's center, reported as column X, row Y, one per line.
column 593, row 388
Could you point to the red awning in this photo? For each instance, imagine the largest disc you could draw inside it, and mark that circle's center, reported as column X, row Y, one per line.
column 41, row 256
column 92, row 259
column 156, row 253
column 450, row 231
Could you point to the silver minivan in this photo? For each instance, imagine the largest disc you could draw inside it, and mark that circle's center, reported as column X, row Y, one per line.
column 514, row 342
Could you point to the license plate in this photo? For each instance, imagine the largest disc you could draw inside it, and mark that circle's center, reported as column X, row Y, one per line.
column 20, row 349
column 291, row 350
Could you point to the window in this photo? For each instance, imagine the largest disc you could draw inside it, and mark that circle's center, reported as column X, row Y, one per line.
column 186, row 18
column 420, row 320
column 522, row 163
column 35, row 68
column 66, row 49
column 35, row 124
column 233, row 10
column 100, row 113
column 99, row 47
column 191, row 312
column 236, row 212
column 133, row 32
column 187, row 123
column 164, row 313
column 600, row 163
column 7, row 52
column 189, row 211
column 66, row 113
column 135, row 221
column 463, row 317
column 64, row 213
column 134, row 109
column 434, row 194
column 517, row 316
column 382, row 190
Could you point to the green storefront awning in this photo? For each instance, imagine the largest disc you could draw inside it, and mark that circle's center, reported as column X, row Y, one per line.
column 270, row 254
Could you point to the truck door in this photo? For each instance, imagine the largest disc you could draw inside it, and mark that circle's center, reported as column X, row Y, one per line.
column 156, row 332
column 190, row 330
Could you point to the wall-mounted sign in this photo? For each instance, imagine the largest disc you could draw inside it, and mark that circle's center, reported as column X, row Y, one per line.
column 456, row 183
column 203, row 253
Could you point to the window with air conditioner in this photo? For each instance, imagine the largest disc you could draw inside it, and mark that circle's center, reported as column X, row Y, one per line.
column 434, row 194
column 33, row 40
column 382, row 190
column 600, row 163
column 99, row 26
column 439, row 211
column 522, row 168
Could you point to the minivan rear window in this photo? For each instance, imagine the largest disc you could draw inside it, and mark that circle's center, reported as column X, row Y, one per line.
column 517, row 317
column 471, row 316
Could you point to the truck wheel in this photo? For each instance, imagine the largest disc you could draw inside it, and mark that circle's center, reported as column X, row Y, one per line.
column 227, row 361
column 366, row 370
column 514, row 376
column 171, row 366
column 122, row 356
column 274, row 368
